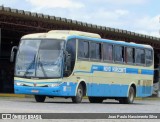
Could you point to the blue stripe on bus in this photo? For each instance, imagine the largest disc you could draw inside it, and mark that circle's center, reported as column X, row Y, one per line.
column 93, row 89
column 117, row 70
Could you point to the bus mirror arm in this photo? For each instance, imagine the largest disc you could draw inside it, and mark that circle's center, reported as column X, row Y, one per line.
column 14, row 48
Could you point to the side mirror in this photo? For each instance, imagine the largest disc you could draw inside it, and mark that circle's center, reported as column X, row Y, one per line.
column 14, row 48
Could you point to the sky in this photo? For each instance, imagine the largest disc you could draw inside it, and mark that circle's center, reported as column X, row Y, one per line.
column 141, row 16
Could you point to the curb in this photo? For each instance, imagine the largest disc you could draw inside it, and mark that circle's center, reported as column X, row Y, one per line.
column 148, row 98
column 15, row 95
column 85, row 97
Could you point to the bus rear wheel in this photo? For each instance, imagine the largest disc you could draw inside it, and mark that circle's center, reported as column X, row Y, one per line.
column 95, row 99
column 40, row 98
column 79, row 95
column 130, row 98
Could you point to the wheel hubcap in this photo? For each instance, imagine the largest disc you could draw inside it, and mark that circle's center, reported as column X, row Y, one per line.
column 79, row 93
column 131, row 94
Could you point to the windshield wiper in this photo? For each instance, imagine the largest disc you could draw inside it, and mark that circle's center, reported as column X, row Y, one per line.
column 29, row 66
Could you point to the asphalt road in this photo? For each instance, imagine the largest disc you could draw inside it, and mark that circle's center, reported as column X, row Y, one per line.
column 61, row 105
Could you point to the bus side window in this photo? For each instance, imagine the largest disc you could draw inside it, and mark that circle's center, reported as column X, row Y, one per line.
column 107, row 52
column 149, row 57
column 139, row 56
column 86, row 49
column 83, row 49
column 129, row 55
column 98, row 51
column 95, row 51
column 119, row 53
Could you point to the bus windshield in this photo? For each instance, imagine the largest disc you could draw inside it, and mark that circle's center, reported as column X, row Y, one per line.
column 39, row 58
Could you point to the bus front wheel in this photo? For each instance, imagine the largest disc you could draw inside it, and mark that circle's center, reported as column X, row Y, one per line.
column 40, row 98
column 130, row 98
column 79, row 95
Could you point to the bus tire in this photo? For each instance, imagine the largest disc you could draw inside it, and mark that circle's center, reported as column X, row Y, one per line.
column 79, row 95
column 39, row 98
column 130, row 98
column 95, row 99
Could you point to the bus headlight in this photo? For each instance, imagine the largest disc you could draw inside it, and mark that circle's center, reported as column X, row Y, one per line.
column 54, row 84
column 19, row 84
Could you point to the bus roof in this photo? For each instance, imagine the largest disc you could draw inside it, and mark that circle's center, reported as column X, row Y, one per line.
column 67, row 34
column 61, row 34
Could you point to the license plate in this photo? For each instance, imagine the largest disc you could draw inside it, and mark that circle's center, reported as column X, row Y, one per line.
column 35, row 91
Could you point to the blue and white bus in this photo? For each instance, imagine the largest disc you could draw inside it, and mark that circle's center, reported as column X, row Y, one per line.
column 73, row 64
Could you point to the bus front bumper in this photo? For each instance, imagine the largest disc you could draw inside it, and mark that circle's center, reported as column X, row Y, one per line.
column 63, row 90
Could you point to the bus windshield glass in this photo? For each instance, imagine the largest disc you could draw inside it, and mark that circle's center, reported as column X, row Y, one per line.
column 39, row 58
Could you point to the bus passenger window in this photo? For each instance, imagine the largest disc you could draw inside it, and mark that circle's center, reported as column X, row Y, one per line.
column 92, row 51
column 98, row 51
column 119, row 53
column 95, row 51
column 149, row 57
column 139, row 56
column 129, row 55
column 83, row 49
column 107, row 52
column 86, row 49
